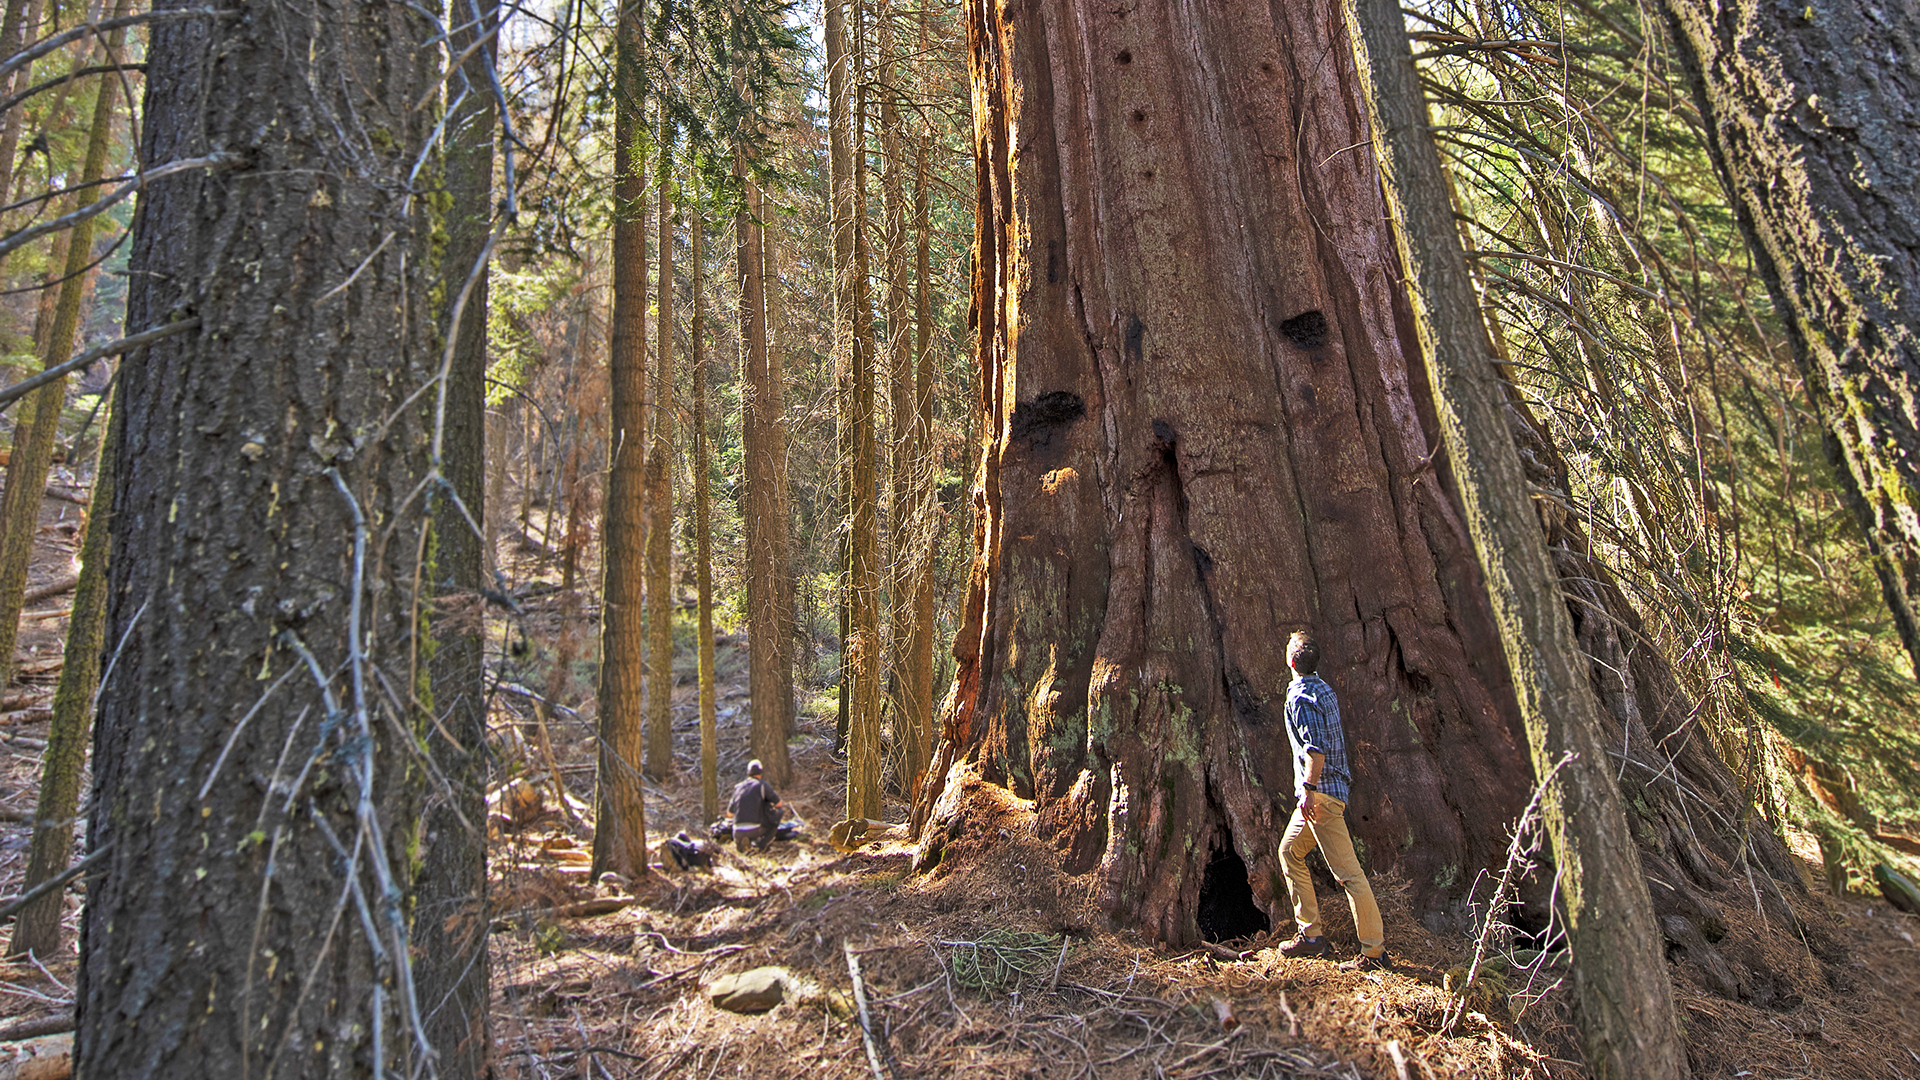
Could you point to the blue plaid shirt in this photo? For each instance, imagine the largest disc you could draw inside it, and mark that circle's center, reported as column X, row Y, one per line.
column 1313, row 724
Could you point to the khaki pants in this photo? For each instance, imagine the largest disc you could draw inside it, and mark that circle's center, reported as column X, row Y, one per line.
column 1330, row 834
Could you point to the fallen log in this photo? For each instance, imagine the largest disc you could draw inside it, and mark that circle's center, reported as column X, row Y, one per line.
column 584, row 909
column 50, row 1058
column 37, row 1027
column 57, row 587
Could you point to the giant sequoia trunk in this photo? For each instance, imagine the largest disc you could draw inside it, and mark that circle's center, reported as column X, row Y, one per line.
column 1203, row 433
column 256, row 786
column 1207, row 426
column 1812, row 116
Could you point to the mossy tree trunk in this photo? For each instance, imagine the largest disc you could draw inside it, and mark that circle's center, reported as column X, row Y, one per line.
column 36, row 929
column 1812, row 114
column 1620, row 975
column 451, row 903
column 35, row 441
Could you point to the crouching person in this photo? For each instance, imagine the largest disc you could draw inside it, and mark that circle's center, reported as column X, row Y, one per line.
column 756, row 811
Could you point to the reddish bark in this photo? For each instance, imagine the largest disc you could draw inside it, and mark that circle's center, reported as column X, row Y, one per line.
column 1204, row 431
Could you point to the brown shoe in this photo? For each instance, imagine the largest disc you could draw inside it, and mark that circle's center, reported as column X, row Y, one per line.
column 1363, row 962
column 1304, row 946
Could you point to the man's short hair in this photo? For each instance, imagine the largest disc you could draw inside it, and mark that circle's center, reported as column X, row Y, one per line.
column 754, row 768
column 1303, row 653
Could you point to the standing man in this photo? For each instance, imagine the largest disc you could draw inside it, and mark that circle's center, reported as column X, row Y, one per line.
column 1321, row 776
column 755, row 808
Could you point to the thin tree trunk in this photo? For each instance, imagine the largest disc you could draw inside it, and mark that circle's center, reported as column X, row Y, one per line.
column 1620, row 973
column 1813, row 133
column 37, row 928
column 903, row 421
column 845, row 341
column 659, row 752
column 450, row 907
column 620, row 821
column 863, row 536
column 702, row 524
column 21, row 16
column 769, row 668
column 28, row 466
column 779, row 536
column 266, row 473
column 919, row 658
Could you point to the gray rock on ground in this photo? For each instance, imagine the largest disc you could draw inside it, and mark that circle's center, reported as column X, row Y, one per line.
column 753, row 991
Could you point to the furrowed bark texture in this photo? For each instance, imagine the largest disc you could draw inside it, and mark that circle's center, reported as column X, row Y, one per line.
column 620, row 815
column 1620, row 976
column 1203, row 433
column 1812, row 114
column 451, row 903
column 240, row 800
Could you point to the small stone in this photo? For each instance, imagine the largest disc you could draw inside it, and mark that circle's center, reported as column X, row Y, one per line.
column 753, row 991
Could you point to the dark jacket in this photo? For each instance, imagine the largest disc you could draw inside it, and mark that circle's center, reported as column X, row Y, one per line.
column 752, row 802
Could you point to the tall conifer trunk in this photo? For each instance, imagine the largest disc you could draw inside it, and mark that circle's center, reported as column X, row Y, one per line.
column 1204, row 430
column 255, row 773
column 702, row 513
column 1619, row 968
column 620, row 821
column 769, row 657
column 451, row 908
column 1812, row 113
column 660, row 498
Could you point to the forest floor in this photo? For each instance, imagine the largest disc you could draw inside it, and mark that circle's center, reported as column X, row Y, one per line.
column 990, row 965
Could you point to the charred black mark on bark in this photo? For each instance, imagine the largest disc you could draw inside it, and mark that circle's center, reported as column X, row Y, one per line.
column 1202, row 561
column 1307, row 330
column 1135, row 339
column 1247, row 702
column 1035, row 421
